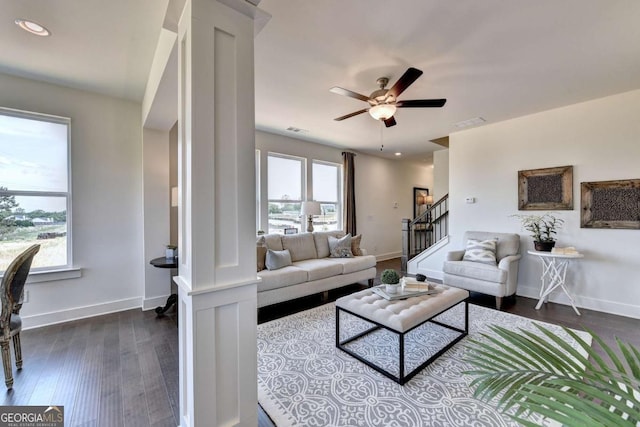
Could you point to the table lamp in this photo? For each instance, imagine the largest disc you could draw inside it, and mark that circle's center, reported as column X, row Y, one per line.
column 309, row 209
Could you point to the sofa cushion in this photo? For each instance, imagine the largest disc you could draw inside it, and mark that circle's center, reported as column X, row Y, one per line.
column 350, row 265
column 319, row 268
column 475, row 270
column 322, row 243
column 355, row 245
column 277, row 259
column 340, row 247
column 483, row 251
column 273, row 241
column 283, row 277
column 301, row 246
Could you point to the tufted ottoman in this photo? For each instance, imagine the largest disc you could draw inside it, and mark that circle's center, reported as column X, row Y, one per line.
column 400, row 317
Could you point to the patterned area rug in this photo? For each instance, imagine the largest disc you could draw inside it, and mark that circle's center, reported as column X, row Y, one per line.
column 304, row 380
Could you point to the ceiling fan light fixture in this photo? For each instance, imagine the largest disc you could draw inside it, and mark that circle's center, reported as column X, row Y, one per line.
column 33, row 27
column 382, row 111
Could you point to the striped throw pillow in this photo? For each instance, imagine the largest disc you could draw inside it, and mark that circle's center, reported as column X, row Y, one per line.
column 483, row 251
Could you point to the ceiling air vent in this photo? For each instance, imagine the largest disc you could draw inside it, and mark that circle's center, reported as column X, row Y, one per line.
column 470, row 122
column 296, row 130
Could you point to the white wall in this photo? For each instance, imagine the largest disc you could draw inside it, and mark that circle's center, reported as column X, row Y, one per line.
column 379, row 183
column 600, row 138
column 440, row 174
column 106, row 159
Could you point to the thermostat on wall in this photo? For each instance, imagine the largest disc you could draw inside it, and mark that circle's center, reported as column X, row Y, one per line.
column 470, row 200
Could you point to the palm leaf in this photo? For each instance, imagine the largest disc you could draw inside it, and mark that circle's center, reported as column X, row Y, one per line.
column 541, row 373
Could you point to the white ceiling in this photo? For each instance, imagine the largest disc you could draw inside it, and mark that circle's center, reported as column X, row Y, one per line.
column 494, row 59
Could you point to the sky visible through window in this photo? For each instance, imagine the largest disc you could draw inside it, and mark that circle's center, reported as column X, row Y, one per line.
column 33, row 157
column 325, row 182
column 284, row 178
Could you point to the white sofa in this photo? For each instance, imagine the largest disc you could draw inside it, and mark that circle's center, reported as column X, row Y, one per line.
column 312, row 270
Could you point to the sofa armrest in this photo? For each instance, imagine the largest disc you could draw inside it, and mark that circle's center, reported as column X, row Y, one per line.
column 506, row 261
column 455, row 255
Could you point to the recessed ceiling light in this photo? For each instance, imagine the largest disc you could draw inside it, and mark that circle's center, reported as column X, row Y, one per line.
column 33, row 27
column 398, row 154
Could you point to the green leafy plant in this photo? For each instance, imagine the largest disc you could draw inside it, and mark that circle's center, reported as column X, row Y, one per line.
column 390, row 277
column 530, row 374
column 541, row 227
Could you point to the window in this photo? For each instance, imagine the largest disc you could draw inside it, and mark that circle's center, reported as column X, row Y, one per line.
column 285, row 184
column 327, row 189
column 35, row 191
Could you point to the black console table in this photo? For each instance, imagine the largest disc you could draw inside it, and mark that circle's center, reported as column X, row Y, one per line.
column 163, row 262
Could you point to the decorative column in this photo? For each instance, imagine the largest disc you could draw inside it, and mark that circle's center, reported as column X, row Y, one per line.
column 216, row 179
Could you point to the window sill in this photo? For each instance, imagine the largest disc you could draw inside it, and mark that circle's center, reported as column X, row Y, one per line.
column 53, row 275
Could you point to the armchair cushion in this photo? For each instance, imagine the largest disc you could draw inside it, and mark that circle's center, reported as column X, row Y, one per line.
column 483, row 251
column 475, row 270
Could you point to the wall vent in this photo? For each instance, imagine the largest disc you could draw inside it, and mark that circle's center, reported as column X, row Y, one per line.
column 296, row 130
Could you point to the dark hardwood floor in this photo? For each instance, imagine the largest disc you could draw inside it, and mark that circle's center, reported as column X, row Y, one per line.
column 121, row 369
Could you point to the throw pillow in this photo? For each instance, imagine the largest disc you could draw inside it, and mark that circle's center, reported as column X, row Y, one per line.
column 261, row 256
column 355, row 245
column 277, row 259
column 483, row 251
column 261, row 252
column 340, row 248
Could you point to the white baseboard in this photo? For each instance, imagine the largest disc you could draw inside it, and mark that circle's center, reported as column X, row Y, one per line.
column 389, row 255
column 151, row 303
column 611, row 307
column 51, row 318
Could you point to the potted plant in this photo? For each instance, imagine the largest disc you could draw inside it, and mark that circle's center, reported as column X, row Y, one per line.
column 542, row 229
column 391, row 279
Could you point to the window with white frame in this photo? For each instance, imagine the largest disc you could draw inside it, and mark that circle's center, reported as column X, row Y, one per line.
column 285, row 191
column 327, row 189
column 35, row 190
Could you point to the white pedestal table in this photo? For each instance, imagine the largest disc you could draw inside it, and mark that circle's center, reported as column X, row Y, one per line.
column 554, row 272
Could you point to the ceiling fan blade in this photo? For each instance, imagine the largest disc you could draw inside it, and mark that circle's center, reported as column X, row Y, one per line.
column 421, row 103
column 349, row 93
column 390, row 122
column 351, row 114
column 407, row 79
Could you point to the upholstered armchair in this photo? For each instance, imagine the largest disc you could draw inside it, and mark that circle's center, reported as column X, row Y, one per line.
column 11, row 291
column 476, row 269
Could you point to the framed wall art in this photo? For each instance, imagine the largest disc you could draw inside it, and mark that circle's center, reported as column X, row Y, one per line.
column 610, row 204
column 545, row 189
column 421, row 201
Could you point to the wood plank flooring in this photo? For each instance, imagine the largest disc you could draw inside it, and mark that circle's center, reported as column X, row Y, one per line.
column 121, row 369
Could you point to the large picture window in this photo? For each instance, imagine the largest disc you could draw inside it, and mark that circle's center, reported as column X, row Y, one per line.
column 327, row 189
column 35, row 193
column 285, row 191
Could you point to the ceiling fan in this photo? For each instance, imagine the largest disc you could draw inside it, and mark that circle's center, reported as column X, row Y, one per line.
column 384, row 102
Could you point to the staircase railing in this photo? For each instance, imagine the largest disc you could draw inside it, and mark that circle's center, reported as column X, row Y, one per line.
column 425, row 230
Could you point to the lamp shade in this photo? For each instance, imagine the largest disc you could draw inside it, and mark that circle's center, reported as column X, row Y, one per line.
column 310, row 208
column 382, row 111
column 428, row 200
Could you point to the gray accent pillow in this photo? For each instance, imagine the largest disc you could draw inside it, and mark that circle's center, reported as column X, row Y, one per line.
column 277, row 259
column 340, row 248
column 483, row 251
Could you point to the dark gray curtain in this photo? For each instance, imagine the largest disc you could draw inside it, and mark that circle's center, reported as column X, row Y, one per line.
column 349, row 192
